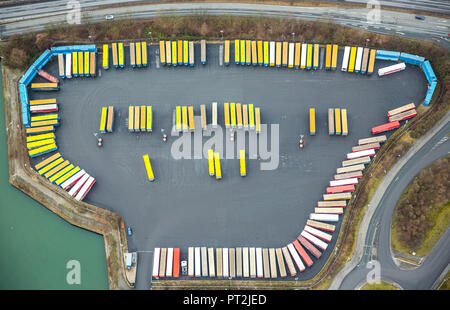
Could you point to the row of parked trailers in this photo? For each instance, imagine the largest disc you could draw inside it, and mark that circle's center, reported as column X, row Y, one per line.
column 282, row 54
column 77, row 64
column 180, row 53
column 214, row 164
column 69, row 177
column 236, row 116
column 255, row 262
column 358, row 59
column 395, row 116
column 140, row 118
column 337, row 121
column 107, row 119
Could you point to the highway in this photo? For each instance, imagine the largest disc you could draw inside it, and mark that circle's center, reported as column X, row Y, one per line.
column 35, row 17
column 376, row 244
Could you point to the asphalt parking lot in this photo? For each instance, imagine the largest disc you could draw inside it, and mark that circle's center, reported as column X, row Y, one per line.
column 185, row 206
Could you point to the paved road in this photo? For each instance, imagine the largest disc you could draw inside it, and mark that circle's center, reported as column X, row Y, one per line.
column 376, row 243
column 35, row 17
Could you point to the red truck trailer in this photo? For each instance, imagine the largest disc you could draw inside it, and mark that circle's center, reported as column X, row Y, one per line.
column 385, row 127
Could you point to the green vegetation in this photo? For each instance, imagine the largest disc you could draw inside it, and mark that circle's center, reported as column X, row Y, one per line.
column 445, row 285
column 422, row 214
column 382, row 286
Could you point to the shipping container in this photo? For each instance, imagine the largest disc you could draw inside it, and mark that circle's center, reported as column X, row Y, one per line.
column 340, row 196
column 42, row 150
column 385, row 127
column 365, row 60
column 191, row 54
column 329, row 210
column 103, row 119
column 314, row 240
column 328, row 56
column 359, row 56
column 139, row 62
column 316, row 57
column 266, row 53
column 44, row 136
column 391, row 69
column 344, row 122
column 186, row 53
column 80, row 64
column 174, row 53
column 225, row 263
column 311, row 248
column 358, row 154
column 214, row 115
column 184, row 115
column 72, row 180
column 191, row 118
column 340, row 189
column 330, row 121
column 190, row 261
column 110, row 122
column 279, row 54
column 68, row 71
column 176, row 263
column 143, row 117
column 237, row 51
column 402, row 116
column 260, row 53
column 280, row 262
column 219, row 262
column 239, row 262
column 211, row 264
column 257, row 120
column 85, row 189
column 309, row 57
column 296, row 257
column 337, row 122
column 371, row 65
column 289, row 262
column 254, row 53
column 350, row 168
column 156, row 257
column 291, row 55
column 149, row 118
column 115, row 55
column 401, row 109
column 144, row 54
column 357, row 161
column 131, row 118
column 49, row 163
column 180, row 52
column 39, row 130
column 169, row 52
column 265, row 256
column 304, row 256
column 272, row 57
column 162, row 263
column 363, row 147
column 251, row 116
column 245, row 263
column 379, row 139
column 67, row 175
column 44, row 86
column 259, row 263
column 349, row 181
column 252, row 259
column 162, row 52
column 239, row 115
column 321, row 225
column 93, row 64
column 227, row 52
column 335, row 56
column 345, row 59
column 312, row 121
column 61, row 66
column 347, row 175
column 211, row 162
column 352, row 59
column 273, row 264
column 233, row 115
column 226, row 114
column 203, row 116
column 298, row 52
column 217, row 169
column 148, row 168
column 245, row 116
column 178, row 118
column 232, row 262
column 284, row 60
column 203, row 51
column 77, row 186
column 248, row 52
column 197, row 258
column 75, row 64
column 243, row 169
column 169, row 265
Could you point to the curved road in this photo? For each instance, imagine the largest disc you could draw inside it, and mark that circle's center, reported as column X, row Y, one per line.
column 376, row 227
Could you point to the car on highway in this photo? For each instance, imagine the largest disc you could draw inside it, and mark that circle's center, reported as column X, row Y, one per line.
column 130, row 232
column 420, row 17
column 109, row 17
